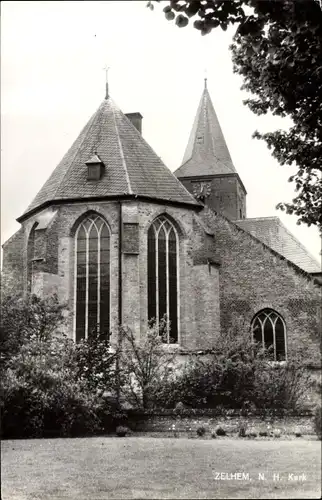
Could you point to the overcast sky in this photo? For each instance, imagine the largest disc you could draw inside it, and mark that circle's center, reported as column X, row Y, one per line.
column 52, row 81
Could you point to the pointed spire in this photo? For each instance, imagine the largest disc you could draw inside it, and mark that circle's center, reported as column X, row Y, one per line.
column 206, row 152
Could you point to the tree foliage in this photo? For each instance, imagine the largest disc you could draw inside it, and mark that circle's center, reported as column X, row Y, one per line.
column 95, row 364
column 27, row 318
column 49, row 384
column 145, row 365
column 237, row 373
column 277, row 49
column 41, row 393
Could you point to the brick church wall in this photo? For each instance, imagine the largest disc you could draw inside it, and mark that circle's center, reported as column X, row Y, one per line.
column 226, row 275
column 252, row 278
column 53, row 269
column 227, row 195
column 197, row 284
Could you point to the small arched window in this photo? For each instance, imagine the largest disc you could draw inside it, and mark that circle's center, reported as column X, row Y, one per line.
column 268, row 328
column 92, row 278
column 163, row 276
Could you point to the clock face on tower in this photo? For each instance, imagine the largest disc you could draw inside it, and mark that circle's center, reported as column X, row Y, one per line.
column 201, row 190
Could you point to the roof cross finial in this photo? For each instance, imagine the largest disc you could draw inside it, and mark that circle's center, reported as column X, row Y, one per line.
column 106, row 68
column 205, row 78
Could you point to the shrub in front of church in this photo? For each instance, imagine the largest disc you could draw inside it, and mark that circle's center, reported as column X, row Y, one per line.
column 95, row 364
column 145, row 366
column 42, row 396
column 281, row 386
column 224, row 377
column 121, row 431
column 26, row 318
column 201, row 431
column 236, row 374
column 49, row 384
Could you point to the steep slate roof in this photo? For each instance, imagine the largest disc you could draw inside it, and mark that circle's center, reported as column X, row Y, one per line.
column 131, row 165
column 273, row 233
column 207, row 152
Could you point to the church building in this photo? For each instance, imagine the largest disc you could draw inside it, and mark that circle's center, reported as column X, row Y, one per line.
column 123, row 240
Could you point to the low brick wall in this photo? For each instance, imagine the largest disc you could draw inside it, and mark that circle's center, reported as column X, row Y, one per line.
column 163, row 421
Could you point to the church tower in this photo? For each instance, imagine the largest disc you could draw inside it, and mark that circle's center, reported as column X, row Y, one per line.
column 207, row 170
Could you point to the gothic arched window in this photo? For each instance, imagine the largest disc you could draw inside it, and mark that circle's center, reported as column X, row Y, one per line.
column 92, row 277
column 163, row 276
column 268, row 328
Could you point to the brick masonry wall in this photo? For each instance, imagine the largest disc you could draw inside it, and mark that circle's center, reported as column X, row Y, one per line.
column 227, row 196
column 250, row 276
column 253, row 278
column 199, row 287
column 164, row 421
column 190, row 278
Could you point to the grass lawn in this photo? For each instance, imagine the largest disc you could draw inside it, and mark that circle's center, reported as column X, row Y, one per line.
column 146, row 467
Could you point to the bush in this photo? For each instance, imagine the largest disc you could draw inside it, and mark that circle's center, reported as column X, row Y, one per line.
column 180, row 407
column 54, row 406
column 201, row 431
column 95, row 364
column 26, row 318
column 253, row 433
column 220, row 431
column 121, row 431
column 277, row 433
column 242, row 431
column 145, row 365
column 318, row 421
column 49, row 384
column 281, row 386
column 42, row 393
column 236, row 374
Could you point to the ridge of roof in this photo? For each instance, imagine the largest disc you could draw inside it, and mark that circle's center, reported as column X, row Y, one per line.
column 273, row 217
column 206, row 152
column 131, row 165
column 122, row 156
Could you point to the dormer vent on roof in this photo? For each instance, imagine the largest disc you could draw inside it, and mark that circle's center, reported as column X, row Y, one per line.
column 136, row 120
column 95, row 168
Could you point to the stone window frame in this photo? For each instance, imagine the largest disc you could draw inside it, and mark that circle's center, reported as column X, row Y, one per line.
column 165, row 218
column 81, row 223
column 269, row 312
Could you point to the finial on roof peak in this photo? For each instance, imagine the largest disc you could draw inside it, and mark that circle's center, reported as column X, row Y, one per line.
column 106, row 68
column 205, row 77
